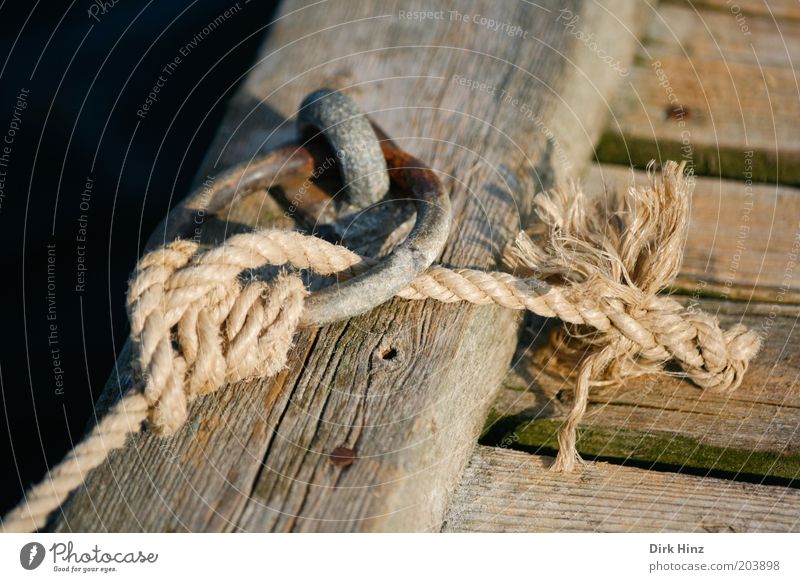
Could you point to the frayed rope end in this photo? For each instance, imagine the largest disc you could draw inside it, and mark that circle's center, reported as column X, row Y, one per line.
column 611, row 256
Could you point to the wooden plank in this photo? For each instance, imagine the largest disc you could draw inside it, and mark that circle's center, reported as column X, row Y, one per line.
column 744, row 239
column 510, row 491
column 779, row 9
column 408, row 385
column 705, row 91
column 698, row 33
column 658, row 419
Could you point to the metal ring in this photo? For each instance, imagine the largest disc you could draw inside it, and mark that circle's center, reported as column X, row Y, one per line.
column 349, row 133
column 361, row 293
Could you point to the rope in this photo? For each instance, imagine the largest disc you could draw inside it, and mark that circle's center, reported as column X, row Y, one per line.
column 195, row 325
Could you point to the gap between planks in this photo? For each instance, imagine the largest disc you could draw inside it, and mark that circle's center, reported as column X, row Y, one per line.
column 660, row 419
column 706, row 90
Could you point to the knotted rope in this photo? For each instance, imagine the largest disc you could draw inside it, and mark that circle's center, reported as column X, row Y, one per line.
column 203, row 319
column 194, row 326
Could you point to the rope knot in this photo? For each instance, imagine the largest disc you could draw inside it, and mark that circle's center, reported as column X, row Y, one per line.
column 195, row 326
column 725, row 354
column 611, row 257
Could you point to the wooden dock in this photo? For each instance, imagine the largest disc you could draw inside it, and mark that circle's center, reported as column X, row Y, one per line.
column 442, row 436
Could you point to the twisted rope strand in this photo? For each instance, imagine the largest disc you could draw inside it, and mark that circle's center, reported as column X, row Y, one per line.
column 195, row 325
column 111, row 433
column 662, row 330
column 226, row 333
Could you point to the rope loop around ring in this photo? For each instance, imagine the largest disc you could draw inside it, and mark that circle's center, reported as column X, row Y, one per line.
column 299, row 162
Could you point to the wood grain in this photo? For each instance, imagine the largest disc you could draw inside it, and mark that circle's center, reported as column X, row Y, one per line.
column 744, row 239
column 510, row 491
column 705, row 90
column 696, row 32
column 659, row 419
column 407, row 386
column 779, row 9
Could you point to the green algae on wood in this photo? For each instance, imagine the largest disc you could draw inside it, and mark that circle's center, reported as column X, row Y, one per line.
column 718, row 161
column 659, row 448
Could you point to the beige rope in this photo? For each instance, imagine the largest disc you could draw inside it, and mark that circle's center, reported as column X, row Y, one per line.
column 196, row 326
column 223, row 332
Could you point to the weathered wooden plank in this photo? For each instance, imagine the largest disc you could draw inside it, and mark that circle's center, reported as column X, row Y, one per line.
column 408, row 385
column 706, row 91
column 697, row 32
column 510, row 491
column 659, row 419
column 780, row 9
column 744, row 239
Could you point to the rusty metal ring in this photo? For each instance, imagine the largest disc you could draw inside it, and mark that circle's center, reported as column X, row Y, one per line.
column 349, row 133
column 361, row 293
